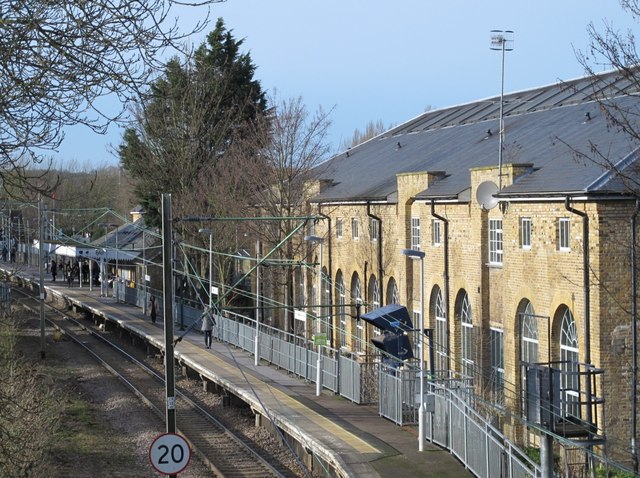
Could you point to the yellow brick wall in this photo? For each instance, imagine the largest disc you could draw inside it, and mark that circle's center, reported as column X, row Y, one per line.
column 544, row 275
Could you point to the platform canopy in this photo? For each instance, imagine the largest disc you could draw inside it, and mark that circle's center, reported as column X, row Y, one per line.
column 393, row 317
column 92, row 253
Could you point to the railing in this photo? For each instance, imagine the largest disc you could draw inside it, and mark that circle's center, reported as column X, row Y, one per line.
column 453, row 424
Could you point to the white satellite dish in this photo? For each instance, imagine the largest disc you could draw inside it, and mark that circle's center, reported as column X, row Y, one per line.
column 485, row 195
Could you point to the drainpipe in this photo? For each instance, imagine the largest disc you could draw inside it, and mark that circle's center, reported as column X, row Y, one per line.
column 329, row 269
column 634, row 318
column 445, row 221
column 380, row 268
column 587, row 295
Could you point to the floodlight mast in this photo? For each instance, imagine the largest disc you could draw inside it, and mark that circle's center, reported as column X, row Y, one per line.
column 501, row 40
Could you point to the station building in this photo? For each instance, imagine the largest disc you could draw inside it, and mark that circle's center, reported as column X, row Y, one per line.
column 527, row 241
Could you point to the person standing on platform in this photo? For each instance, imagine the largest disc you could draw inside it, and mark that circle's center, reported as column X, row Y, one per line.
column 153, row 312
column 54, row 270
column 67, row 274
column 207, row 326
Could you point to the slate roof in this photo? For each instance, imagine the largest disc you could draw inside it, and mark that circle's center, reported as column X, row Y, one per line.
column 543, row 127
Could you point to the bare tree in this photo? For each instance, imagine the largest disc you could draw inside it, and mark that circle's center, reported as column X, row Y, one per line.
column 292, row 144
column 372, row 129
column 68, row 62
column 615, row 50
column 29, row 411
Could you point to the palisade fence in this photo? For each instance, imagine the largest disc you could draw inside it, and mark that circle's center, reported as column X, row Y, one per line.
column 364, row 379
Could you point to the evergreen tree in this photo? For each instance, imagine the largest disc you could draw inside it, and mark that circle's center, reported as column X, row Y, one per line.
column 189, row 120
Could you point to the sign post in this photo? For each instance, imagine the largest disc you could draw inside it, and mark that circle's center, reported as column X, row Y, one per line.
column 169, row 454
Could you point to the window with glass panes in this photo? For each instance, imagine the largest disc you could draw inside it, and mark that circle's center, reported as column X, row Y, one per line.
column 339, row 228
column 570, row 379
column 374, row 297
column 563, row 234
column 529, row 345
column 497, row 364
column 467, row 337
column 495, row 241
column 393, row 297
column 441, row 337
column 342, row 309
column 415, row 233
column 435, row 227
column 373, row 229
column 357, row 299
column 354, row 229
column 326, row 313
column 525, row 232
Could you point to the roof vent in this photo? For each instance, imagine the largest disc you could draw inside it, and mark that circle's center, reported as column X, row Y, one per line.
column 398, row 145
column 489, row 133
column 587, row 117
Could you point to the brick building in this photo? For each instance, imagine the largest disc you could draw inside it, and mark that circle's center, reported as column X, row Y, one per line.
column 526, row 253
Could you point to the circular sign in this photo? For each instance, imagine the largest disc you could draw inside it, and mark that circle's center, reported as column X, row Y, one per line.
column 169, row 453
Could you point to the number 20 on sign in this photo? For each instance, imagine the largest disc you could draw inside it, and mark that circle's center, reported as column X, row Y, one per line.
column 169, row 453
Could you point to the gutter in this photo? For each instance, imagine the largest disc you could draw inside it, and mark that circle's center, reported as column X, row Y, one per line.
column 380, row 268
column 587, row 294
column 446, row 270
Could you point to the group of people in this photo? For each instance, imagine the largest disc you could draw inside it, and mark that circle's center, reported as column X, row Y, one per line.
column 11, row 254
column 70, row 271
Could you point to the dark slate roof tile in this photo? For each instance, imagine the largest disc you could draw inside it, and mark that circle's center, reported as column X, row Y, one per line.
column 554, row 128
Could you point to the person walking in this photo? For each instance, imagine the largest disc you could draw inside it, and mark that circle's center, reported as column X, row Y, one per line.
column 153, row 312
column 207, row 326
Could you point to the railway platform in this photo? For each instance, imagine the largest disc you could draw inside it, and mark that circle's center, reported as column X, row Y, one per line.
column 332, row 434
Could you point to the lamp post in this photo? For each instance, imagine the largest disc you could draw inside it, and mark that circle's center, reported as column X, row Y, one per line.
column 419, row 255
column 501, row 40
column 320, row 241
column 210, row 234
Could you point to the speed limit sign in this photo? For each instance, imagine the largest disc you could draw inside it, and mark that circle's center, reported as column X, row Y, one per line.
column 169, row 453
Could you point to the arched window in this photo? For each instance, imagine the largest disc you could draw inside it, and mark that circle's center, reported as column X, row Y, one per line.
column 441, row 338
column 326, row 312
column 342, row 308
column 356, row 298
column 570, row 383
column 301, row 293
column 466, row 322
column 392, row 292
column 529, row 345
column 374, row 299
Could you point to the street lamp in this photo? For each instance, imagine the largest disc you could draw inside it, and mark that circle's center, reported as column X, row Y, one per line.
column 318, row 240
column 419, row 255
column 210, row 233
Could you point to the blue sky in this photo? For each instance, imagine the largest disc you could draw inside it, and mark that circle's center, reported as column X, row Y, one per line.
column 387, row 60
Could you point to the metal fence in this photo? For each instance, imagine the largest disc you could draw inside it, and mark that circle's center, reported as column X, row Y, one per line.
column 453, row 424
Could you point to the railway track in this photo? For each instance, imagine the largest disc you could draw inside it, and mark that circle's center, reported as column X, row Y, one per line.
column 224, row 452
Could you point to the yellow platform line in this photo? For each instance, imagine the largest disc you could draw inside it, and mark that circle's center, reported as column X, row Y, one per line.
column 360, row 445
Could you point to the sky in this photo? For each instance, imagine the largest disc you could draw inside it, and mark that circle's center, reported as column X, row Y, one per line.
column 370, row 60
